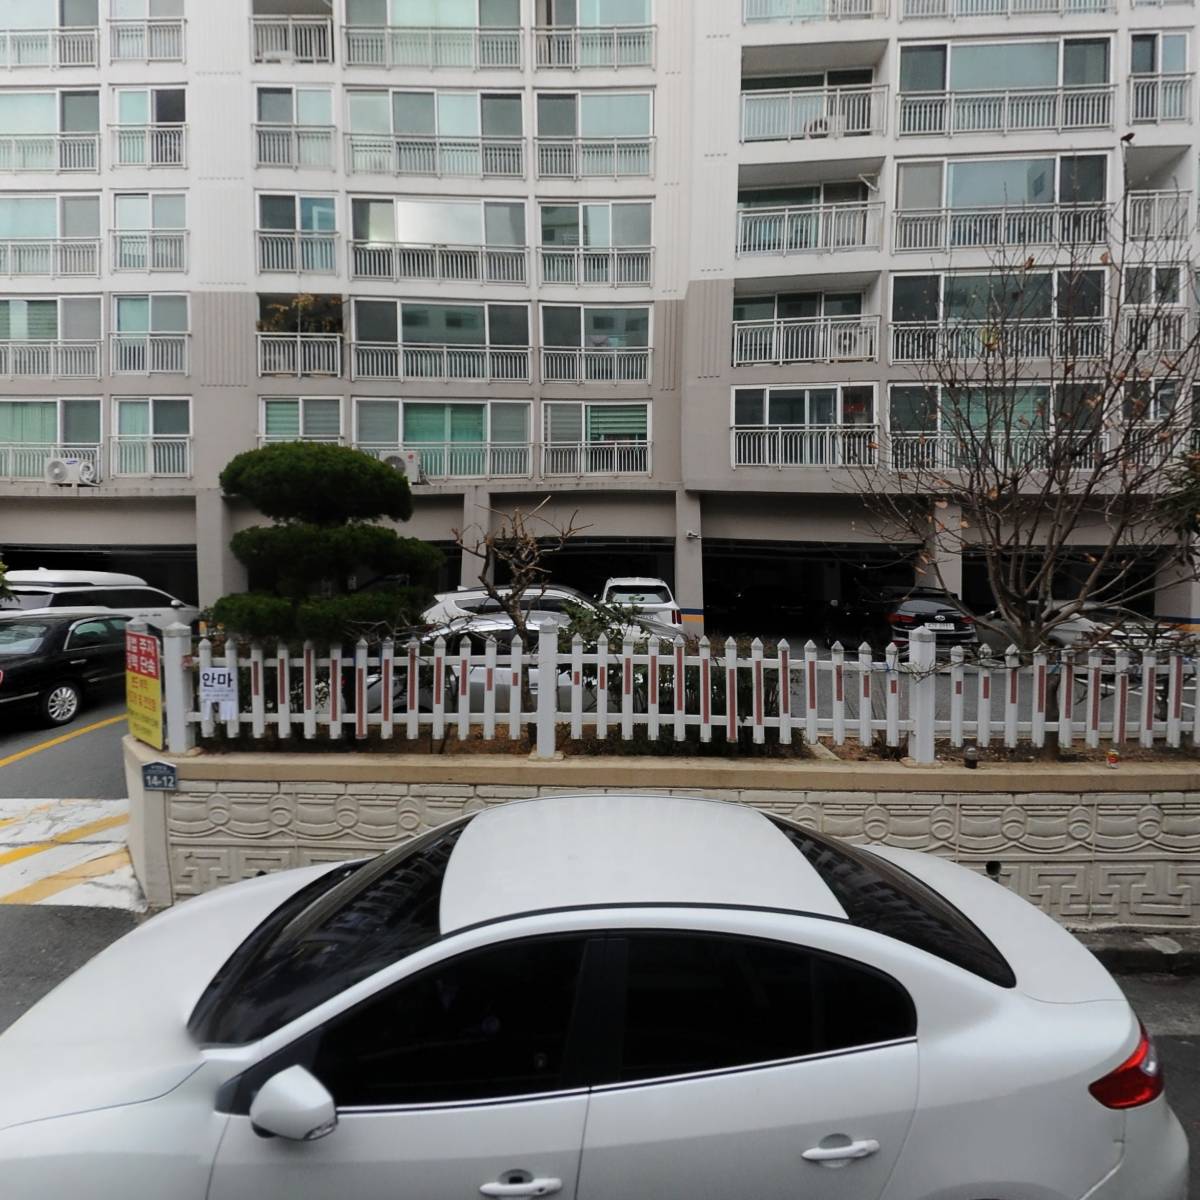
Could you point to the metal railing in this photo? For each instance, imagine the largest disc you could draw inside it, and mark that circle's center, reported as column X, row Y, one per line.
column 159, row 40
column 49, row 48
column 1150, row 216
column 586, row 158
column 321, row 439
column 295, row 146
column 1158, row 330
column 386, row 360
column 1016, row 109
column 455, row 264
column 291, row 39
column 804, row 445
column 1014, row 340
column 787, row 115
column 792, row 12
column 596, row 364
column 419, row 46
column 148, row 353
column 28, row 460
column 1001, row 225
column 806, row 339
column 631, row 457
column 297, row 252
column 460, row 460
column 300, row 354
column 571, row 48
column 1160, row 99
column 50, row 360
column 52, row 257
column 952, row 10
column 609, row 266
column 149, row 145
column 1015, row 449
column 151, row 457
column 50, row 152
column 796, row 229
column 402, row 154
column 150, row 250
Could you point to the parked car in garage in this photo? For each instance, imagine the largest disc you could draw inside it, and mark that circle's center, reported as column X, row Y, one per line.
column 890, row 614
column 644, row 596
column 103, row 591
column 1106, row 627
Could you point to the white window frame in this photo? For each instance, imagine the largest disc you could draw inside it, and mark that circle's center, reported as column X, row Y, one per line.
column 768, row 388
column 301, row 401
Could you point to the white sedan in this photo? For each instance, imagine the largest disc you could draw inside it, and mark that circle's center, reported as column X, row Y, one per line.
column 593, row 997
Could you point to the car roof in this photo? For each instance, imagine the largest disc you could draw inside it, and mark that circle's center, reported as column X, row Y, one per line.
column 625, row 580
column 51, row 577
column 59, row 614
column 596, row 851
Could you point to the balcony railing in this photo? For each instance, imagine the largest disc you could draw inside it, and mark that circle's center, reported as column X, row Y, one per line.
column 809, row 228
column 396, row 261
column 1160, row 99
column 1012, row 110
column 432, row 48
column 291, row 39
column 953, row 10
column 151, row 457
column 149, row 145
column 148, row 353
column 309, row 146
column 1018, row 449
column 49, row 48
column 784, row 116
column 596, row 364
column 59, row 152
column 461, row 460
column 49, row 360
column 630, row 457
column 804, row 445
column 486, row 158
column 610, row 46
column 160, row 40
column 586, row 158
column 1007, row 340
column 494, row 364
column 299, row 354
column 150, row 250
column 1157, row 330
column 607, row 266
column 321, row 439
column 297, row 252
column 1019, row 226
column 761, row 12
column 806, row 339
column 53, row 257
column 28, row 460
column 1151, row 216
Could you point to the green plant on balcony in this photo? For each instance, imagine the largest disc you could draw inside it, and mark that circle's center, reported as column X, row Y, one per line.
column 307, row 312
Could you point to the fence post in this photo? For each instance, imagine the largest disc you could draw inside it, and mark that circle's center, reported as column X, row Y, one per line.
column 922, row 659
column 547, row 695
column 177, row 641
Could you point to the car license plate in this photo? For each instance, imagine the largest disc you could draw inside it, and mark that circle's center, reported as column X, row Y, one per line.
column 939, row 626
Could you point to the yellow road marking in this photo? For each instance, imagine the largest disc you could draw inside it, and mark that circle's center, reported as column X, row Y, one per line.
column 28, row 813
column 63, row 839
column 73, row 876
column 58, row 741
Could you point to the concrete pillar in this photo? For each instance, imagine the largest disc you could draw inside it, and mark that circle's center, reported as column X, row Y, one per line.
column 476, row 521
column 689, row 561
column 940, row 564
column 219, row 573
column 1178, row 597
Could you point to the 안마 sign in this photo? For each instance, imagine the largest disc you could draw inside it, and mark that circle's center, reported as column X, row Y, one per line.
column 143, row 688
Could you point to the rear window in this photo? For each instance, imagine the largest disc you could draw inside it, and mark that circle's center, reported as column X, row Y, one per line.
column 651, row 595
column 22, row 637
column 26, row 600
column 925, row 604
column 880, row 896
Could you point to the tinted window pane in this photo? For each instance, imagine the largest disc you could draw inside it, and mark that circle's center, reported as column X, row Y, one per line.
column 491, row 1023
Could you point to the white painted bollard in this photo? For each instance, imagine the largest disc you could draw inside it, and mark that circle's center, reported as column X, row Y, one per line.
column 922, row 694
column 177, row 679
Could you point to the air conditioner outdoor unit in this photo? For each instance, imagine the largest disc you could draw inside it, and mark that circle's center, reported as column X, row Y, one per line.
column 67, row 472
column 407, row 462
column 279, row 56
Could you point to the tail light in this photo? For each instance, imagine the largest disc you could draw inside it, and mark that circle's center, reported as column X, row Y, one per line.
column 1138, row 1080
column 966, row 619
column 900, row 619
column 676, row 617
column 1, row 676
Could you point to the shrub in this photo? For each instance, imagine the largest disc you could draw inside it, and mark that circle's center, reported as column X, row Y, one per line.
column 373, row 615
column 255, row 615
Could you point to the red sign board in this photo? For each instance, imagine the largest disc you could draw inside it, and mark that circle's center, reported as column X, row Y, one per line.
column 143, row 688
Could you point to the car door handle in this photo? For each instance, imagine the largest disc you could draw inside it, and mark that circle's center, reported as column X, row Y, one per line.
column 834, row 1154
column 78, row 662
column 532, row 1187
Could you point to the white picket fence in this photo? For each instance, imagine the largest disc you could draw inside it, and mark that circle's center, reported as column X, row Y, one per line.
column 667, row 689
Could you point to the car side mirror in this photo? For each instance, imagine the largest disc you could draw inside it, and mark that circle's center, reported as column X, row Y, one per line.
column 293, row 1105
column 177, row 604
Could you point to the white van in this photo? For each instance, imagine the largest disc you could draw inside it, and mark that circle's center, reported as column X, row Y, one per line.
column 103, row 591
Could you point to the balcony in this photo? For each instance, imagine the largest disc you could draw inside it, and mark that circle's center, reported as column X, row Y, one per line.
column 809, row 229
column 52, row 48
column 596, row 364
column 1154, row 216
column 954, row 10
column 604, row 266
column 151, row 457
column 147, row 41
column 291, row 39
column 605, row 46
column 281, row 439
column 392, row 46
column 149, row 146
column 804, row 445
column 297, row 354
column 23, row 461
column 589, row 158
column 397, row 261
column 806, row 340
column 1158, row 330
column 1008, row 342
column 296, row 252
column 50, row 257
column 1160, row 99
column 796, row 12
column 57, row 152
column 1024, row 110
column 461, row 460
column 1018, row 449
column 147, row 251
column 49, row 360
column 148, row 353
column 1001, row 226
column 487, row 364
column 596, row 458
column 784, row 116
column 476, row 158
column 295, row 146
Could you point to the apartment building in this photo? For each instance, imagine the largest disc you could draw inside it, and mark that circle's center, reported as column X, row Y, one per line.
column 671, row 262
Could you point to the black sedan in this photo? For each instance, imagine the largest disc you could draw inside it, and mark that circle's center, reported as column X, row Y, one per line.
column 49, row 664
column 890, row 614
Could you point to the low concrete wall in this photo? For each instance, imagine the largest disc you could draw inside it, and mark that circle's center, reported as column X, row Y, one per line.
column 1090, row 846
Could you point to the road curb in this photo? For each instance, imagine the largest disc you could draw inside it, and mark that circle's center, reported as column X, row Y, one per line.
column 1140, row 952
